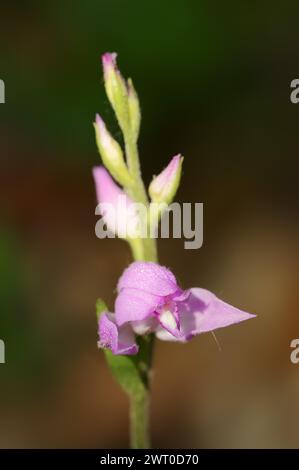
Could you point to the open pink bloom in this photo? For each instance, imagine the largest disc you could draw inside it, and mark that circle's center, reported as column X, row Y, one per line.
column 150, row 300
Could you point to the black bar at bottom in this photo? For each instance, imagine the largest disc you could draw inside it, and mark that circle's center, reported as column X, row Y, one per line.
column 139, row 458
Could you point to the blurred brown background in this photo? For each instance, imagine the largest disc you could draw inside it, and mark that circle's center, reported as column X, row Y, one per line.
column 214, row 83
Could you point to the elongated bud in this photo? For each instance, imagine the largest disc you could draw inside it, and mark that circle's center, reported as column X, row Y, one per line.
column 164, row 186
column 134, row 109
column 111, row 153
column 116, row 89
column 116, row 208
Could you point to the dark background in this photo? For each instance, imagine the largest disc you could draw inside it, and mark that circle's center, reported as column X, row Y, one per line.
column 214, row 84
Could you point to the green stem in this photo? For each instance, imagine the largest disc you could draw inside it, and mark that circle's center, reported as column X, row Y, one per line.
column 140, row 399
column 144, row 249
column 137, row 191
column 139, row 420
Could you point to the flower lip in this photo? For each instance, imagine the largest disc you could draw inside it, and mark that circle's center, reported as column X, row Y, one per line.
column 168, row 318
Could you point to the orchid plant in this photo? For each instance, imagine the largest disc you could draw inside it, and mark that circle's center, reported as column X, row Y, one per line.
column 149, row 303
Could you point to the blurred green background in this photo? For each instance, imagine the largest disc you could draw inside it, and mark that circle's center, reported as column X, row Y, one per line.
column 214, row 84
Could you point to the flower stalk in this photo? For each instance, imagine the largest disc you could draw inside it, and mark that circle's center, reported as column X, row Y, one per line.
column 124, row 100
column 143, row 249
column 139, row 420
column 140, row 400
column 150, row 303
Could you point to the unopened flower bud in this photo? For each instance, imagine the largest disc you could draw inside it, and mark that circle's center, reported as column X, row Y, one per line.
column 164, row 186
column 116, row 89
column 134, row 110
column 117, row 209
column 111, row 153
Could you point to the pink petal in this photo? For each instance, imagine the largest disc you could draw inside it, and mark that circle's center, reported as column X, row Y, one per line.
column 115, row 205
column 119, row 340
column 135, row 305
column 202, row 312
column 148, row 277
column 207, row 313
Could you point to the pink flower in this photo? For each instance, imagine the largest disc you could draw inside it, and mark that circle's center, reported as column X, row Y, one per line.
column 116, row 208
column 150, row 300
